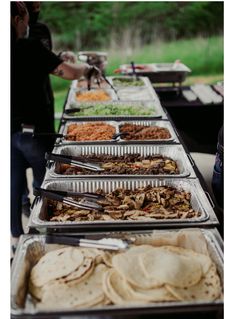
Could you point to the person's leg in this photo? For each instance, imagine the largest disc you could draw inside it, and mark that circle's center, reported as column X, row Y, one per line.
column 17, row 179
column 25, row 197
column 218, row 181
column 34, row 151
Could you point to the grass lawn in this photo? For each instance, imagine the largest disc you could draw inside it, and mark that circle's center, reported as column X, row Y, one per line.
column 204, row 56
column 60, row 97
column 204, row 79
column 201, row 55
column 56, row 124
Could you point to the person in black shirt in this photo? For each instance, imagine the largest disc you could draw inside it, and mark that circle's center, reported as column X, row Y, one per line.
column 41, row 32
column 38, row 30
column 31, row 63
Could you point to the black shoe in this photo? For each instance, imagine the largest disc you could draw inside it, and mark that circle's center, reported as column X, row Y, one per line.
column 26, row 209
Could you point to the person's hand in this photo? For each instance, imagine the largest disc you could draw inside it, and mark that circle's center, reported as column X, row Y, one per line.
column 68, row 56
column 92, row 71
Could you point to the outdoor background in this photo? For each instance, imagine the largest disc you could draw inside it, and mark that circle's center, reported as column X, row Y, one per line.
column 143, row 32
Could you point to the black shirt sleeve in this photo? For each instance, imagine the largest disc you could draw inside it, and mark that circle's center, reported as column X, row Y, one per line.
column 40, row 59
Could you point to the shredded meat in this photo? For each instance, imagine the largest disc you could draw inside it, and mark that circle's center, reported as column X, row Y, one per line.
column 127, row 164
column 143, row 132
column 148, row 203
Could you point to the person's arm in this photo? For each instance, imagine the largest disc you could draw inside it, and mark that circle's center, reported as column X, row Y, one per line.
column 49, row 62
column 68, row 56
column 70, row 71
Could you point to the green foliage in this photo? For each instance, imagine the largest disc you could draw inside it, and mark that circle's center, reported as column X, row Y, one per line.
column 59, row 97
column 91, row 25
column 56, row 125
column 202, row 55
column 58, row 83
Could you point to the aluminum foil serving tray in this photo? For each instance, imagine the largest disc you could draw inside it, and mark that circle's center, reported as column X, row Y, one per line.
column 160, row 72
column 39, row 218
column 133, row 92
column 117, row 124
column 153, row 106
column 164, row 124
column 32, row 247
column 72, row 100
column 175, row 152
column 144, row 79
column 64, row 131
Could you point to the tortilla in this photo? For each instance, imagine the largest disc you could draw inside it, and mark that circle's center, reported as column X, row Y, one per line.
column 72, row 294
column 120, row 291
column 35, row 291
column 186, row 238
column 128, row 266
column 56, row 264
column 166, row 266
column 148, row 267
column 107, row 258
column 82, row 272
column 94, row 253
column 204, row 260
column 208, row 289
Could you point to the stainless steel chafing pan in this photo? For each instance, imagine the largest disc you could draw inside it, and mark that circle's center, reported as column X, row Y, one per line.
column 32, row 247
column 112, row 110
column 161, row 123
column 40, row 214
column 175, row 152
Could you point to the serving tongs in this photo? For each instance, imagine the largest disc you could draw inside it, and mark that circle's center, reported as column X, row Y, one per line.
column 98, row 83
column 62, row 196
column 112, row 87
column 70, row 160
column 104, row 243
column 134, row 71
column 121, row 134
column 89, row 77
column 29, row 129
column 78, row 109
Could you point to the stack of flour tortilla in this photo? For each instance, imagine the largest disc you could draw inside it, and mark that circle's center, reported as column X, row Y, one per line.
column 74, row 278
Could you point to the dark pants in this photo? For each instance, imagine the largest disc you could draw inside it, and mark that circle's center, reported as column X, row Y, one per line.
column 25, row 151
column 25, row 196
column 218, row 181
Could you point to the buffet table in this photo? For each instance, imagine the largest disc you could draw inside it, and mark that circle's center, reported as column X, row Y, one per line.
column 145, row 219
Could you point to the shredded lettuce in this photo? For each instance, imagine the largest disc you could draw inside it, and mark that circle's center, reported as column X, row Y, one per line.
column 110, row 109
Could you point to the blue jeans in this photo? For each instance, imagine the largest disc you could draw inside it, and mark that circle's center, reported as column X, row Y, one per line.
column 218, row 181
column 25, row 196
column 25, row 152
